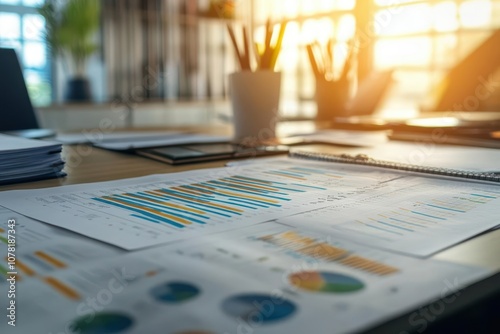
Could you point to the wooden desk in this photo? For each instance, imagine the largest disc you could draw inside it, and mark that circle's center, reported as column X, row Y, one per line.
column 88, row 164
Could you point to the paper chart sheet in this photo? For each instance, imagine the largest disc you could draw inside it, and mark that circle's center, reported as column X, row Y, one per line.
column 147, row 211
column 263, row 279
column 411, row 215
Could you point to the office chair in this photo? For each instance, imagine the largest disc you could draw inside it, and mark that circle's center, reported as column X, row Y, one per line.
column 17, row 115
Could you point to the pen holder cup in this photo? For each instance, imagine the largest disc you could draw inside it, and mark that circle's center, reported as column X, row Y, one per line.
column 255, row 101
column 331, row 98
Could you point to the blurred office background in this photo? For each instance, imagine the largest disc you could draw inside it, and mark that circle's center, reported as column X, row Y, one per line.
column 165, row 62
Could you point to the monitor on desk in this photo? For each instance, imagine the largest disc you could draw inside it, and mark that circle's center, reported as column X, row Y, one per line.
column 16, row 112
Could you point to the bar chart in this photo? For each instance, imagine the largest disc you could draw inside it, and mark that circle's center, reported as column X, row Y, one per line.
column 198, row 203
column 46, row 249
column 422, row 216
column 323, row 251
column 275, row 248
column 73, row 285
column 50, row 258
column 413, row 218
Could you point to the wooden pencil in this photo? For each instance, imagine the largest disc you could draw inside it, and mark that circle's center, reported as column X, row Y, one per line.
column 235, row 45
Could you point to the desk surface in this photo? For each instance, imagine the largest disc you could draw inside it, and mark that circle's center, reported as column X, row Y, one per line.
column 89, row 164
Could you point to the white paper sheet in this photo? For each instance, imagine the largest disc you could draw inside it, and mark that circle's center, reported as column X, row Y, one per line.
column 96, row 137
column 142, row 212
column 127, row 140
column 181, row 139
column 209, row 289
column 411, row 215
column 174, row 140
column 13, row 144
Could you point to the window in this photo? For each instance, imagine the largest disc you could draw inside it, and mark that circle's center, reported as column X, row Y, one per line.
column 424, row 39
column 22, row 28
column 419, row 39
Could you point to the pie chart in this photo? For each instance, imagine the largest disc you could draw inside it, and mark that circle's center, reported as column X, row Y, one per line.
column 258, row 308
column 174, row 292
column 102, row 323
column 320, row 281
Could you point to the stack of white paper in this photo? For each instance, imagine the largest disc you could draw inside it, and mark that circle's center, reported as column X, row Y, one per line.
column 130, row 140
column 28, row 160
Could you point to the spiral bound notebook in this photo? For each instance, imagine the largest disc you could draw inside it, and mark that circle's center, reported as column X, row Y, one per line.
column 362, row 159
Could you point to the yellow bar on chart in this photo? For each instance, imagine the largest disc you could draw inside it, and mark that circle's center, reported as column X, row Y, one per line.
column 62, row 288
column 364, row 264
column 25, row 269
column 156, row 212
column 51, row 260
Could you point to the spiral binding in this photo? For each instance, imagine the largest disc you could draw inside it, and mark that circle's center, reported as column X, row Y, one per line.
column 363, row 159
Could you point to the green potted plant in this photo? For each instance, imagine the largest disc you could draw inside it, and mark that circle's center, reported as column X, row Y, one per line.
column 70, row 33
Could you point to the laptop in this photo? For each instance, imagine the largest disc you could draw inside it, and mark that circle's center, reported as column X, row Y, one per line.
column 16, row 111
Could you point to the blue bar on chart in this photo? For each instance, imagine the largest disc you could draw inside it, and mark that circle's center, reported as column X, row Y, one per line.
column 197, row 203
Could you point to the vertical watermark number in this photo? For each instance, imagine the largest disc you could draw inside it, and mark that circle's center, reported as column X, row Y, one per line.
column 12, row 272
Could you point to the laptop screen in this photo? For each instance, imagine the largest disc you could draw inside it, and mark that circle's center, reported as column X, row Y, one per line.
column 16, row 110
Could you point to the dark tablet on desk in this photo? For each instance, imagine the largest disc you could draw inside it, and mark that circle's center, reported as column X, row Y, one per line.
column 183, row 154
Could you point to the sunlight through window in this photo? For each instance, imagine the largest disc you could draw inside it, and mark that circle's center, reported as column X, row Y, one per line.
column 418, row 39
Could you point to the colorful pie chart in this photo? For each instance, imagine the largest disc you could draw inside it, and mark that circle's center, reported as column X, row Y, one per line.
column 325, row 282
column 174, row 292
column 102, row 323
column 258, row 308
